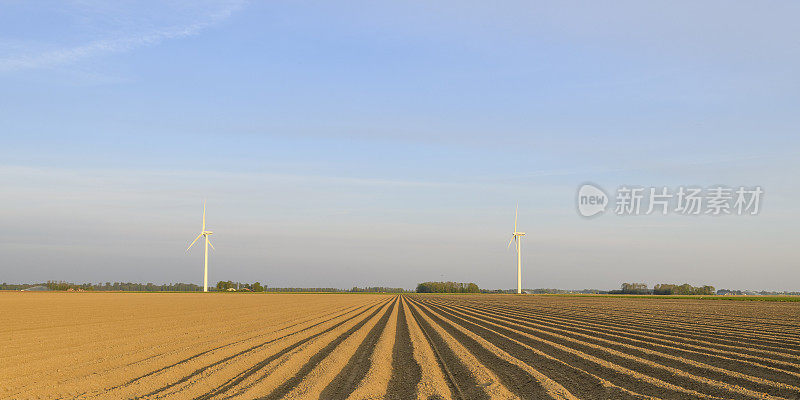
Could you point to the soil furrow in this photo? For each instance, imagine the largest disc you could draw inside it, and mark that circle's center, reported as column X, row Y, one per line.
column 521, row 378
column 646, row 315
column 357, row 366
column 250, row 371
column 622, row 374
column 375, row 383
column 689, row 375
column 406, row 372
column 461, row 381
column 287, row 386
column 420, row 347
column 703, row 323
column 187, row 359
column 698, row 353
column 434, row 381
column 592, row 380
column 276, row 373
column 669, row 327
column 692, row 367
column 526, row 314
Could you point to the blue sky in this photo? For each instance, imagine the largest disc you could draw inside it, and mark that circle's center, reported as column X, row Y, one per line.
column 363, row 143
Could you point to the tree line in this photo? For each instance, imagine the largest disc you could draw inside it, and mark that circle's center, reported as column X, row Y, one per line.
column 447, row 287
column 257, row 287
column 370, row 289
column 377, row 289
column 684, row 289
column 18, row 286
column 664, row 289
column 736, row 292
column 124, row 287
column 187, row 287
column 239, row 286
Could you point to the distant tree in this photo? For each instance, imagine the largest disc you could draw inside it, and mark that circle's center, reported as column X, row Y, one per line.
column 685, row 289
column 634, row 288
column 447, row 287
column 664, row 289
column 707, row 290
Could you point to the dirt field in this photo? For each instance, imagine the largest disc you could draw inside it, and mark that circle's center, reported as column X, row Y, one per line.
column 332, row 346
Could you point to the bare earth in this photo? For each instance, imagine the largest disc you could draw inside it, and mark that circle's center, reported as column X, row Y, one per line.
column 361, row 346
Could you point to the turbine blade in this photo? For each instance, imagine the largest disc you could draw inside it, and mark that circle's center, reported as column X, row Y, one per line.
column 209, row 243
column 509, row 242
column 516, row 214
column 195, row 239
column 204, row 215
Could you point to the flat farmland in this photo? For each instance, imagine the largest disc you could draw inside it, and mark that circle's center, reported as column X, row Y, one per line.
column 362, row 346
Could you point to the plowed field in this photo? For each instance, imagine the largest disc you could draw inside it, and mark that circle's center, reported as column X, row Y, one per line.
column 360, row 346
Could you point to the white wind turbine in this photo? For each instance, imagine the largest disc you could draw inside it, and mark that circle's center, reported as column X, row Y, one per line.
column 517, row 237
column 206, row 234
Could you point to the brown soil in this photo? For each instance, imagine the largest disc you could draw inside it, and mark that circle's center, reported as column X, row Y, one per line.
column 362, row 346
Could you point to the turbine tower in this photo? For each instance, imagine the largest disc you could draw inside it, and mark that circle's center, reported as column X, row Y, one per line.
column 205, row 234
column 517, row 238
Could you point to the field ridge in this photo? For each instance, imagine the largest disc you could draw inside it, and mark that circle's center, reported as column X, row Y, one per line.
column 389, row 346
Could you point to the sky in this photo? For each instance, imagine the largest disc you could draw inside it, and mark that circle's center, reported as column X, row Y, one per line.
column 360, row 143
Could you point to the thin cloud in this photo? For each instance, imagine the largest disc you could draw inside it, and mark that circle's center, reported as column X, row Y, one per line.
column 71, row 55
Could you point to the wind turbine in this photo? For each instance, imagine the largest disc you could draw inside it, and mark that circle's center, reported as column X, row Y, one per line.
column 205, row 234
column 517, row 237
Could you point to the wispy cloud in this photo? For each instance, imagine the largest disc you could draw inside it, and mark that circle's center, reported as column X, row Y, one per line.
column 69, row 55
